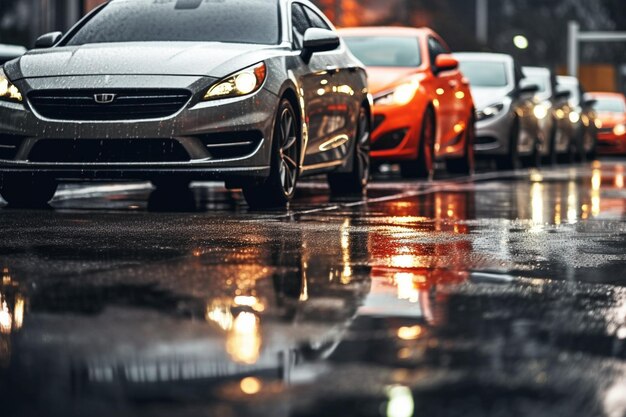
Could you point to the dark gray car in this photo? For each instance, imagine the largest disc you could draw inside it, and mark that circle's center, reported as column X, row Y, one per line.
column 255, row 93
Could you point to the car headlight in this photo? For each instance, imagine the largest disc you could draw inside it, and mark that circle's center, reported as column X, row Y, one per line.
column 8, row 91
column 541, row 110
column 574, row 117
column 242, row 83
column 598, row 123
column 619, row 129
column 489, row 111
column 400, row 96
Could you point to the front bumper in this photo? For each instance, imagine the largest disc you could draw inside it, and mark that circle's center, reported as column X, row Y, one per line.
column 611, row 144
column 493, row 134
column 396, row 132
column 209, row 134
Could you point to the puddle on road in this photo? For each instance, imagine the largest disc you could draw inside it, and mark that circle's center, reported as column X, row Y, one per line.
column 484, row 299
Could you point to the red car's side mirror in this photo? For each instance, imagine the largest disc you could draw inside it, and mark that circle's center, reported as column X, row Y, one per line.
column 446, row 62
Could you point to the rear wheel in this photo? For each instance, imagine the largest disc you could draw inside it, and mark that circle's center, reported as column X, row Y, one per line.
column 355, row 181
column 465, row 164
column 424, row 165
column 512, row 159
column 278, row 189
column 27, row 191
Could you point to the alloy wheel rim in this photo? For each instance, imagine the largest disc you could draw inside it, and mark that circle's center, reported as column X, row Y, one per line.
column 288, row 168
column 363, row 148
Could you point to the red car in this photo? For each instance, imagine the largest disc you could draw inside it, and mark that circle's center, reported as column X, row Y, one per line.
column 423, row 108
column 611, row 122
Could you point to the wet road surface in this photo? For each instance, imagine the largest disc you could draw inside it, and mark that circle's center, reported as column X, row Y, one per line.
column 501, row 295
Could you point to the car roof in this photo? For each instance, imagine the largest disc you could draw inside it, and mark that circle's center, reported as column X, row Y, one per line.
column 567, row 79
column 384, row 31
column 536, row 70
column 483, row 56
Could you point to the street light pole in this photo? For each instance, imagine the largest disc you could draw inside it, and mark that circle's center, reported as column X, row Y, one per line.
column 482, row 20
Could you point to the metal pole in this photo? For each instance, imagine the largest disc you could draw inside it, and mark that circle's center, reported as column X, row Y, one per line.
column 572, row 48
column 482, row 20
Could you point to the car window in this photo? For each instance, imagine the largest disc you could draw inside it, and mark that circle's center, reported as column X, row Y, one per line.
column 300, row 24
column 609, row 105
column 315, row 19
column 256, row 21
column 542, row 82
column 383, row 51
column 485, row 73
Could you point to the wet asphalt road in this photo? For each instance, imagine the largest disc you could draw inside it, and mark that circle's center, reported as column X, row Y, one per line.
column 501, row 295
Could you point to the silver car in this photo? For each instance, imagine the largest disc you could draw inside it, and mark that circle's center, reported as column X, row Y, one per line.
column 553, row 113
column 253, row 92
column 506, row 128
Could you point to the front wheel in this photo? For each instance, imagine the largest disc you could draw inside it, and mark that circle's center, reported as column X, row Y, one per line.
column 278, row 189
column 424, row 165
column 27, row 191
column 355, row 181
column 465, row 164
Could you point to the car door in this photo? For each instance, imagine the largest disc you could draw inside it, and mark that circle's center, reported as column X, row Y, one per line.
column 320, row 86
column 346, row 107
column 446, row 84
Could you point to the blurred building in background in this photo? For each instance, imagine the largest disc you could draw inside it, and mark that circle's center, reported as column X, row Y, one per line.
column 540, row 26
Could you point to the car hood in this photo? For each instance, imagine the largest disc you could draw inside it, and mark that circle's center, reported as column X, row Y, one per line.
column 140, row 58
column 381, row 79
column 610, row 119
column 484, row 97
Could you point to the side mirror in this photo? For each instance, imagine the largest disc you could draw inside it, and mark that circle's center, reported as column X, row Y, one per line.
column 319, row 40
column 48, row 40
column 590, row 102
column 562, row 95
column 529, row 89
column 446, row 62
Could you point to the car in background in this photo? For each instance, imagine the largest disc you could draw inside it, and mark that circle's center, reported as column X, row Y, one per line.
column 148, row 90
column 611, row 116
column 9, row 52
column 555, row 116
column 506, row 127
column 582, row 116
column 423, row 108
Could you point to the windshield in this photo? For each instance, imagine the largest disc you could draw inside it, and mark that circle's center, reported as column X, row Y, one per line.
column 232, row 21
column 386, row 51
column 574, row 91
column 609, row 105
column 541, row 82
column 485, row 74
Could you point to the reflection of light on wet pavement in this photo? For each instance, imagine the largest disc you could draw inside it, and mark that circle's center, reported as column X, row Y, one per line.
column 346, row 274
column 536, row 202
column 409, row 332
column 572, row 202
column 6, row 321
column 250, row 385
column 401, row 403
column 243, row 341
column 407, row 290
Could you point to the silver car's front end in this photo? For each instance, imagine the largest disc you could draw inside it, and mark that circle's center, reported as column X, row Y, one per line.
column 152, row 126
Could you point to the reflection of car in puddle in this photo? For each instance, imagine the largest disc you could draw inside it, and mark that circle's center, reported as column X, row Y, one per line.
column 12, row 307
column 267, row 314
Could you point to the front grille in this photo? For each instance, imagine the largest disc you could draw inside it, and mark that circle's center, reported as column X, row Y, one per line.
column 605, row 130
column 231, row 145
column 9, row 145
column 127, row 104
column 108, row 150
column 389, row 140
column 485, row 140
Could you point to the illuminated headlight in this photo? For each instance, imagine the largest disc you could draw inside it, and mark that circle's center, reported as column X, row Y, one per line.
column 401, row 95
column 598, row 123
column 574, row 117
column 489, row 111
column 8, row 91
column 619, row 130
column 541, row 110
column 244, row 82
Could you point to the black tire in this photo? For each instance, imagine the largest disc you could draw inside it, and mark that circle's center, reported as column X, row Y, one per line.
column 278, row 189
column 534, row 159
column 424, row 165
column 171, row 184
column 512, row 160
column 27, row 191
column 355, row 181
column 465, row 164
